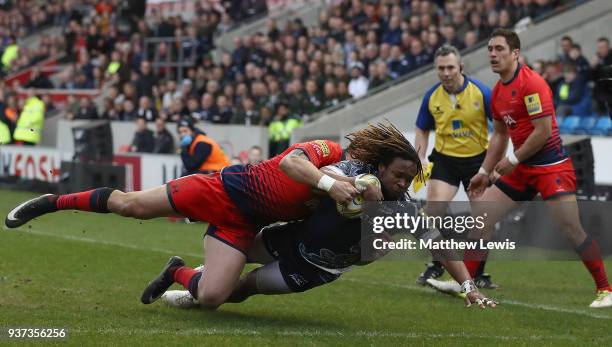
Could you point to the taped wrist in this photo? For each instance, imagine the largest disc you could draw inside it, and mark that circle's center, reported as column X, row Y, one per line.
column 468, row 286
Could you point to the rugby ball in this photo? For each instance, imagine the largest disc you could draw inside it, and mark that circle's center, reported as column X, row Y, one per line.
column 353, row 209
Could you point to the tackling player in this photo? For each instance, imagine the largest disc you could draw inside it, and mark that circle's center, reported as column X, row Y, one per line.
column 235, row 202
column 302, row 255
column 523, row 110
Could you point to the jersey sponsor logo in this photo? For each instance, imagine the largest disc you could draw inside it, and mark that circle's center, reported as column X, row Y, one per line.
column 457, row 124
column 533, row 104
column 510, row 122
column 298, row 279
column 323, row 147
column 437, row 110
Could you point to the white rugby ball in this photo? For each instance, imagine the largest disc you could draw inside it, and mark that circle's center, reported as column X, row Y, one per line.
column 353, row 209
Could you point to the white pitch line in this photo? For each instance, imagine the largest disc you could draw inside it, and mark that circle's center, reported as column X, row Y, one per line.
column 311, row 333
column 108, row 243
column 395, row 285
column 502, row 301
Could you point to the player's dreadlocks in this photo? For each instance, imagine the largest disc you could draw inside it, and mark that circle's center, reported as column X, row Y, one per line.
column 380, row 144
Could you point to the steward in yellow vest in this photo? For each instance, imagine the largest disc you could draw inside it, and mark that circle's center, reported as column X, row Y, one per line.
column 31, row 121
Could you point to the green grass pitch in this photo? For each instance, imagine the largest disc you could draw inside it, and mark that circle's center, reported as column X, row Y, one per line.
column 85, row 272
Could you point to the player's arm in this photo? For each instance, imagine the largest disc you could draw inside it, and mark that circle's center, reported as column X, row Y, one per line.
column 539, row 106
column 498, row 146
column 424, row 123
column 542, row 128
column 497, row 149
column 421, row 142
column 298, row 167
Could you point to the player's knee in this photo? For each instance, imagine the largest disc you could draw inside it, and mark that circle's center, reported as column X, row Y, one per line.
column 131, row 205
column 211, row 299
column 571, row 228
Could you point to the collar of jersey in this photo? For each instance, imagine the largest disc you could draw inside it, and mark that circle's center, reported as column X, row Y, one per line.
column 465, row 83
column 516, row 72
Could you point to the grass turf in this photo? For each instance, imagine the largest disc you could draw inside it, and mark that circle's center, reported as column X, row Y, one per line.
column 85, row 272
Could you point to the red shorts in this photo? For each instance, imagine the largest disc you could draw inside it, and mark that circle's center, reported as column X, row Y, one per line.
column 202, row 197
column 525, row 182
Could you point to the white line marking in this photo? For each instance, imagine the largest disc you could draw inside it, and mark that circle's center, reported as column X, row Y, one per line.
column 393, row 285
column 108, row 243
column 502, row 301
column 312, row 333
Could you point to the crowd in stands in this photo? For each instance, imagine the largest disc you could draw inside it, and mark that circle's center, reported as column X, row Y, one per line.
column 355, row 47
column 275, row 78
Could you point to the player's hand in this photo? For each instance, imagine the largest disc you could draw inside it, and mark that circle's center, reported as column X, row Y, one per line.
column 504, row 167
column 476, row 297
column 477, row 186
column 343, row 192
column 372, row 193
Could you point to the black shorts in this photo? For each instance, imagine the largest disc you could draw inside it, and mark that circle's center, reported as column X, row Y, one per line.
column 299, row 274
column 455, row 170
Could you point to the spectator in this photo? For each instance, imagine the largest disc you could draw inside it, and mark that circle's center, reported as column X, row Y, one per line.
column 249, row 115
column 86, row 110
column 421, row 57
column 393, row 33
column 146, row 81
column 330, row 94
column 313, row 101
column 129, row 111
column 224, row 113
column 145, row 109
column 39, row 80
column 471, row 39
column 255, row 155
column 570, row 91
column 603, row 57
column 381, row 75
column 164, row 141
column 552, row 75
column 209, row 108
column 143, row 141
column 399, row 64
column 358, row 86
column 281, row 128
column 580, row 62
column 566, row 46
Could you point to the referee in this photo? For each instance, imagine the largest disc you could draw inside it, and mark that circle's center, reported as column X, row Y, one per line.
column 457, row 109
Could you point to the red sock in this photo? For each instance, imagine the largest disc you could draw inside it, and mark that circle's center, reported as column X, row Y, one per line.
column 591, row 258
column 92, row 200
column 472, row 259
column 183, row 275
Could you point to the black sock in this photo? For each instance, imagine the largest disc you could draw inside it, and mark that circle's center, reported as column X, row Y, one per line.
column 193, row 284
column 481, row 268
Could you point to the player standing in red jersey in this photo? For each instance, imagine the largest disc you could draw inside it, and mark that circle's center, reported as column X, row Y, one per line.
column 523, row 110
column 234, row 202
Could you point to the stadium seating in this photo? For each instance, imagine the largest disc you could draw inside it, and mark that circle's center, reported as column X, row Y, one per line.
column 602, row 127
column 570, row 124
column 586, row 124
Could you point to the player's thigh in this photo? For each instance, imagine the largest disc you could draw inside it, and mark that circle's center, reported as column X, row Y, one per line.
column 439, row 190
column 492, row 206
column 259, row 252
column 564, row 212
column 144, row 204
column 223, row 266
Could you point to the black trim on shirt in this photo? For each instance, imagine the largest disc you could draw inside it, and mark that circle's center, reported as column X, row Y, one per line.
column 516, row 72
